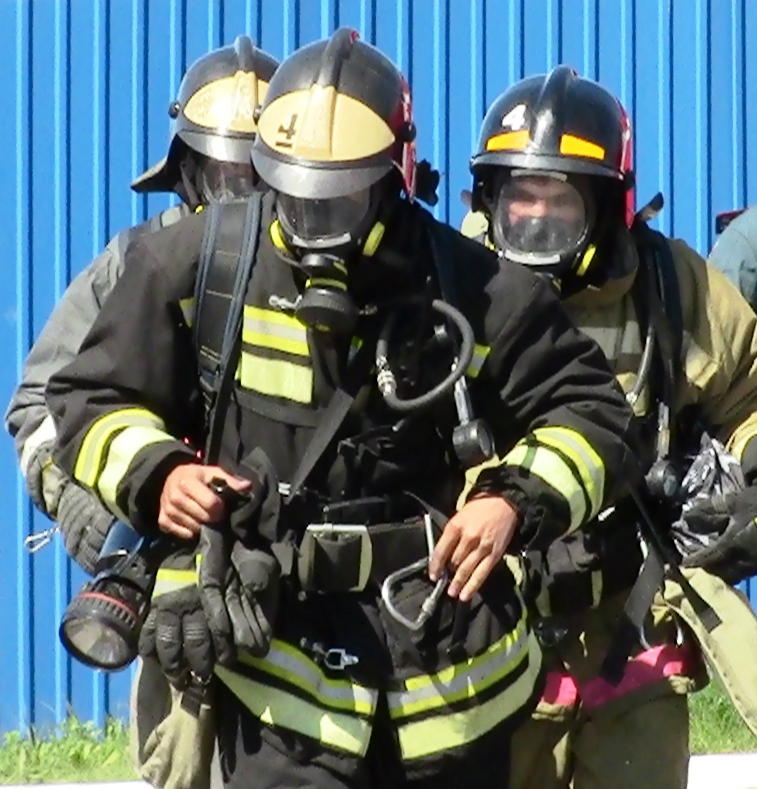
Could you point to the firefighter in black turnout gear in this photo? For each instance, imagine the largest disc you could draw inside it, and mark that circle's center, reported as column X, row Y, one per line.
column 365, row 634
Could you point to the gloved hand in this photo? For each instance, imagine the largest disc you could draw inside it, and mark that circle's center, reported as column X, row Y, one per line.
column 729, row 520
column 84, row 523
column 176, row 629
column 239, row 589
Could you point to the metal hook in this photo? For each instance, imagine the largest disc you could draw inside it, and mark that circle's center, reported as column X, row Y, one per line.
column 429, row 604
column 37, row 541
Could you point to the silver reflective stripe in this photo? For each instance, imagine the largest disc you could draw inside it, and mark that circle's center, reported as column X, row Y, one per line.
column 270, row 329
column 616, row 341
column 44, row 433
column 288, row 663
column 463, row 680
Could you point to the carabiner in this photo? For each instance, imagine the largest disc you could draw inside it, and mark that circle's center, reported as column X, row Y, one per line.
column 429, row 604
column 35, row 542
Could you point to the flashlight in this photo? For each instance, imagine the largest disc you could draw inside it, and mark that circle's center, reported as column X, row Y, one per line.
column 101, row 625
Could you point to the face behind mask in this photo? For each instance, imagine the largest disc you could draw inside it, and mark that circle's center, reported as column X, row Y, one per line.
column 541, row 219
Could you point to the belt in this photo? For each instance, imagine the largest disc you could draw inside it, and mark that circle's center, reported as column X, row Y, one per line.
column 364, row 541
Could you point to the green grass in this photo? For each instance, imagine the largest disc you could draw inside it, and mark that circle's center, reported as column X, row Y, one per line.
column 74, row 752
column 715, row 726
column 78, row 752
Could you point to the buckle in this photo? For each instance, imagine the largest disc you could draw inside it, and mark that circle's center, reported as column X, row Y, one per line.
column 325, row 533
column 337, row 659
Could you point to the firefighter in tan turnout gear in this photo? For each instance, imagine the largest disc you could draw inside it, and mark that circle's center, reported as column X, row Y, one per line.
column 365, row 633
column 553, row 190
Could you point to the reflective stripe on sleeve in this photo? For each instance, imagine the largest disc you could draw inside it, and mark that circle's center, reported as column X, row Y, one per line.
column 118, row 459
column 547, row 464
column 586, row 460
column 90, row 458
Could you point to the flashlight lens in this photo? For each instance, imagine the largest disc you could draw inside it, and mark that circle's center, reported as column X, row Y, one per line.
column 102, row 645
column 100, row 631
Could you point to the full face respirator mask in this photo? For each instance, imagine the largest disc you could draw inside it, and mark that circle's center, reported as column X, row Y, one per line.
column 319, row 237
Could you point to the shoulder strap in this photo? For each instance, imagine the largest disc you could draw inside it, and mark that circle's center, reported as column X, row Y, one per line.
column 332, row 416
column 220, row 289
column 657, row 298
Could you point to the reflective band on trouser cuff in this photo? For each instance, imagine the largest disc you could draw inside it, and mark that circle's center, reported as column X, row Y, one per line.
column 89, row 461
column 118, row 459
column 287, row 689
column 552, row 469
column 460, row 704
column 276, row 377
column 168, row 580
column 271, row 329
column 653, row 665
column 42, row 435
column 588, row 463
column 480, row 352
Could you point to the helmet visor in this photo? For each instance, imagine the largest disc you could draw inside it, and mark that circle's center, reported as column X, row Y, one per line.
column 221, row 182
column 539, row 219
column 323, row 223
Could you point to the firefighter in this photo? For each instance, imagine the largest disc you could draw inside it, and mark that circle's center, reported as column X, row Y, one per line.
column 735, row 253
column 365, row 634
column 212, row 127
column 553, row 190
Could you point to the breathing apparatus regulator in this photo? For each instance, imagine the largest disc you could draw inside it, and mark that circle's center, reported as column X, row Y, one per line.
column 101, row 625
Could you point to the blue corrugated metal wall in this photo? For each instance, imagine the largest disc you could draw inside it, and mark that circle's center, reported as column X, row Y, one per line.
column 87, row 85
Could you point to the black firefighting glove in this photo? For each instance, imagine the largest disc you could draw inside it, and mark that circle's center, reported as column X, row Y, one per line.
column 176, row 630
column 730, row 524
column 239, row 590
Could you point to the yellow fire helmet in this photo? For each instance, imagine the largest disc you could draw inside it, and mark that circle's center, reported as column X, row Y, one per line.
column 214, row 114
column 337, row 118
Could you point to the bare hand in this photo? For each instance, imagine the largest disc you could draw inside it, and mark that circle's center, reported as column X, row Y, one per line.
column 187, row 503
column 473, row 542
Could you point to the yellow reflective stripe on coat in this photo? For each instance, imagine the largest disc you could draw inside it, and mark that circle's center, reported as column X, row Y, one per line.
column 89, row 459
column 441, row 733
column 276, row 707
column 271, row 329
column 169, row 580
column 463, row 681
column 546, row 464
column 480, row 352
column 588, row 463
column 119, row 457
column 287, row 663
column 276, row 377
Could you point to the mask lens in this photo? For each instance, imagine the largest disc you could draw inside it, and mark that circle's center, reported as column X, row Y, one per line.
column 539, row 219
column 323, row 222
